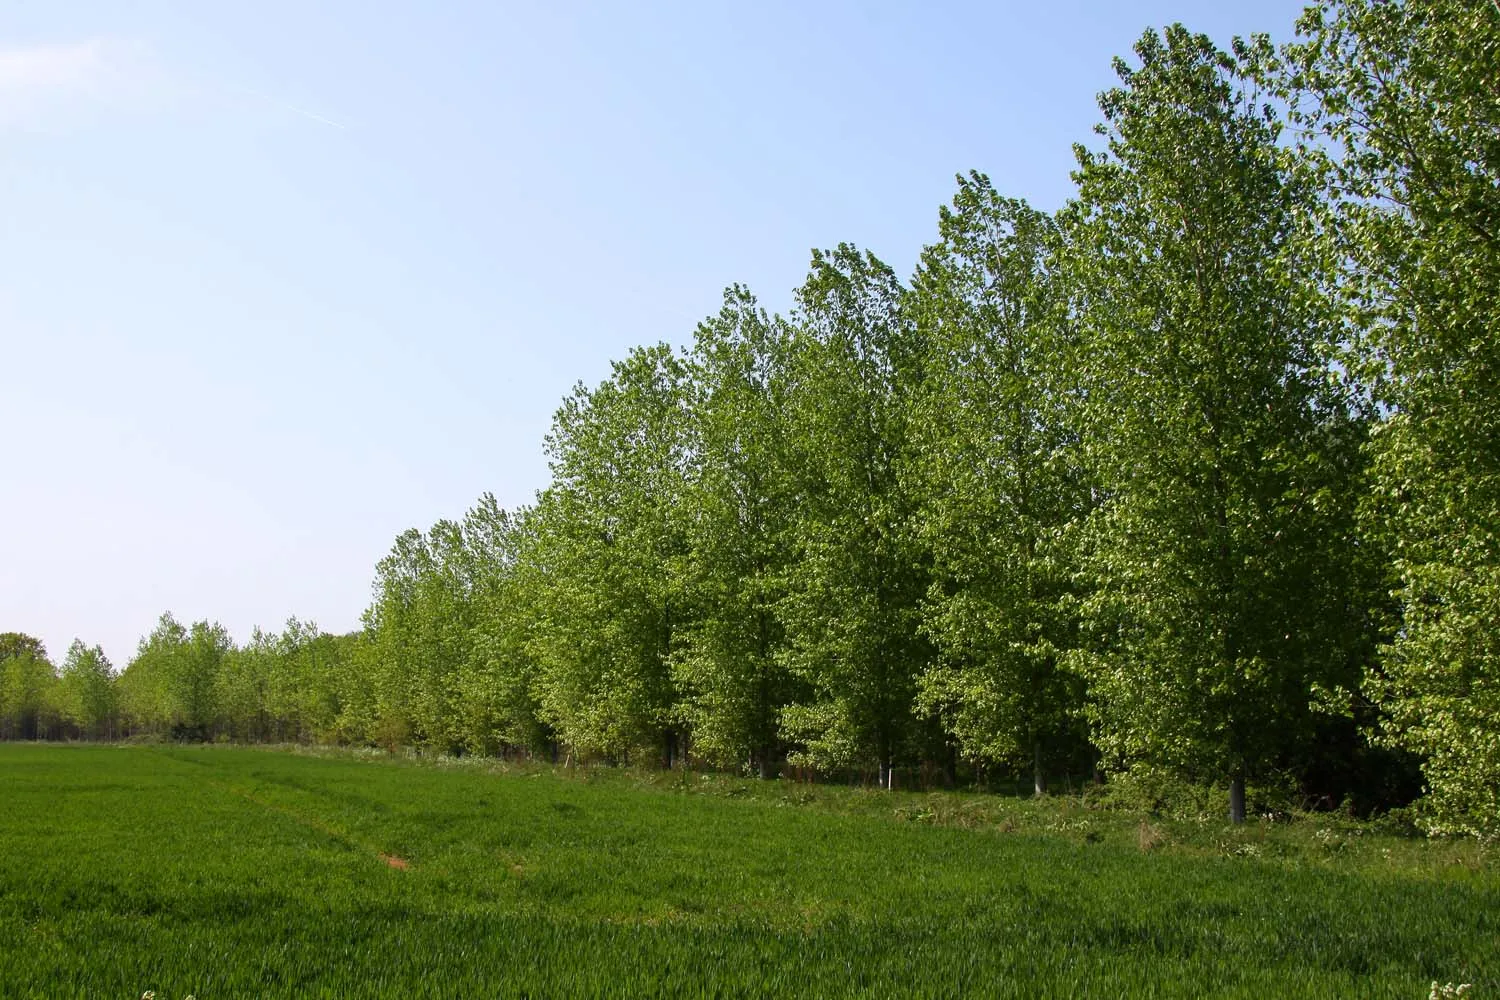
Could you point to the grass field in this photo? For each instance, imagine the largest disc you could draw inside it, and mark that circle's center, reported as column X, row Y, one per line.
column 225, row 873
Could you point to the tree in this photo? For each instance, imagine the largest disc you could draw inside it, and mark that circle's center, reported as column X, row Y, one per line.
column 1401, row 96
column 14, row 644
column 242, row 689
column 1205, row 404
column 301, row 693
column 353, row 672
column 27, row 688
column 395, row 653
column 852, row 604
column 421, row 626
column 730, row 668
column 995, row 482
column 170, row 684
column 496, row 685
column 87, row 690
column 609, row 543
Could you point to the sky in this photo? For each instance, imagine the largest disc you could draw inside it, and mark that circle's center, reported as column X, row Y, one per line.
column 279, row 280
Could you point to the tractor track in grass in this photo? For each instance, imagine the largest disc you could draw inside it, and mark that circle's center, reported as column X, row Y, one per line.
column 311, row 822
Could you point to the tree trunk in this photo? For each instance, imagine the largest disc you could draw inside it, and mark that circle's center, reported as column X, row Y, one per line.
column 669, row 750
column 1038, row 776
column 1237, row 797
column 885, row 772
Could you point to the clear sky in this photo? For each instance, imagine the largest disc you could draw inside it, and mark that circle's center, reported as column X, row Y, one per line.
column 281, row 279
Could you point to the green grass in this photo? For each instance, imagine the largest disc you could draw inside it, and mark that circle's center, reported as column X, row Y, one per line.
column 226, row 873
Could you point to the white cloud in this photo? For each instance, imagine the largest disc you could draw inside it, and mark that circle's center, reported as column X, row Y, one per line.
column 58, row 87
column 41, row 84
column 52, row 67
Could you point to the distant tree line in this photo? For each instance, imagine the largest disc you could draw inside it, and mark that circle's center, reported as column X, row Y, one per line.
column 1198, row 476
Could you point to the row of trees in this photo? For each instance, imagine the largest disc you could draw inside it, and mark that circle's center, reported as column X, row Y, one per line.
column 186, row 682
column 1199, row 475
column 39, row 702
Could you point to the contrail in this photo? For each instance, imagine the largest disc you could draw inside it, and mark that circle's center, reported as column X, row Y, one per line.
column 293, row 108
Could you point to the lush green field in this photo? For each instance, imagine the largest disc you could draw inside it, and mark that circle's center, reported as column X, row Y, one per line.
column 237, row 873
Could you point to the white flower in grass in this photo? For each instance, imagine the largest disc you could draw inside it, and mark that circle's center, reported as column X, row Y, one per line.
column 1448, row 991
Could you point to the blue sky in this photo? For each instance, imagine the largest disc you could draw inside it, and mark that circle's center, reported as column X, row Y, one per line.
column 280, row 280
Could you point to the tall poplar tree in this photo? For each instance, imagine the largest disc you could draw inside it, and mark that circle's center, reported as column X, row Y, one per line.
column 497, row 700
column 27, row 687
column 170, row 685
column 87, row 691
column 1403, row 96
column 610, row 546
column 731, row 670
column 242, row 689
column 1206, row 405
column 853, row 604
column 995, row 479
column 403, row 653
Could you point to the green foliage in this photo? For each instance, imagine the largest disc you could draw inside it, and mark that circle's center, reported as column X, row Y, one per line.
column 303, row 692
column 1403, row 96
column 854, row 590
column 496, row 685
column 86, row 692
column 990, row 462
column 610, row 545
column 730, row 668
column 169, row 687
column 28, row 682
column 14, row 644
column 444, row 661
column 1218, row 443
column 194, row 683
column 242, row 689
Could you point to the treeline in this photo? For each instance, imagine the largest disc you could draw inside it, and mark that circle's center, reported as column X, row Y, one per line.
column 1199, row 476
column 187, row 683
